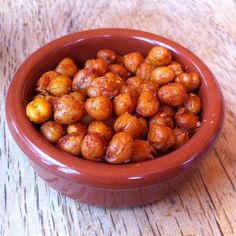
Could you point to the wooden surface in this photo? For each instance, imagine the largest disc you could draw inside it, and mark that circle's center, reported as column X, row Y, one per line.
column 206, row 205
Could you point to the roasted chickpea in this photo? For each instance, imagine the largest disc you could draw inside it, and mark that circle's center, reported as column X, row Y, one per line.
column 71, row 143
column 181, row 137
column 43, row 81
column 132, row 61
column 147, row 104
column 150, row 86
column 134, row 82
column 177, row 68
column 162, row 118
column 109, row 56
column 193, row 103
column 131, row 91
column 52, row 131
column 120, row 148
column 144, row 71
column 102, row 129
column 97, row 66
column 143, row 127
column 161, row 137
column 119, row 70
column 129, row 124
column 159, row 56
column 78, row 96
column 191, row 81
column 93, row 147
column 123, row 103
column 77, row 127
column 53, row 100
column 83, row 80
column 99, row 108
column 60, row 85
column 186, row 120
column 108, row 86
column 39, row 110
column 162, row 75
column 170, row 111
column 67, row 67
column 68, row 110
column 143, row 151
column 172, row 94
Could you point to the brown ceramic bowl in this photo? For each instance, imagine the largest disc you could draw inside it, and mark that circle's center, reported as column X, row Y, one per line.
column 99, row 183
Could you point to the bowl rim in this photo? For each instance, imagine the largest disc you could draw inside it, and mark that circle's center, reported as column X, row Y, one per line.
column 103, row 175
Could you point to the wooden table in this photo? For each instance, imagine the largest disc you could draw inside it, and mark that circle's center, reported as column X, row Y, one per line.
column 206, row 205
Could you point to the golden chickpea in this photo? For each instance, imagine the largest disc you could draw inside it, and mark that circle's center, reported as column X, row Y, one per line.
column 109, row 56
column 143, row 127
column 67, row 67
column 43, row 81
column 131, row 91
column 119, row 70
column 83, row 80
column 162, row 75
column 77, row 127
column 191, row 81
column 159, row 56
column 78, row 96
column 97, row 66
column 161, row 137
column 120, row 148
column 178, row 68
column 71, row 143
column 134, row 82
column 132, row 61
column 101, row 129
column 172, row 94
column 147, row 104
column 68, row 110
column 181, row 137
column 143, row 151
column 144, row 71
column 170, row 111
column 93, row 147
column 60, row 85
column 186, row 120
column 193, row 103
column 99, row 108
column 39, row 110
column 123, row 103
column 150, row 86
column 162, row 118
column 52, row 131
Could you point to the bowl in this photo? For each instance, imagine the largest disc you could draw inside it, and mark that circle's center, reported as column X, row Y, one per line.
column 100, row 183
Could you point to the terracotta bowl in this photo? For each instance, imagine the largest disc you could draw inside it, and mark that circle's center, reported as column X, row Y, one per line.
column 99, row 183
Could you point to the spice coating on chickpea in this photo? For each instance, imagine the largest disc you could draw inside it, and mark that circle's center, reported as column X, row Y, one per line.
column 162, row 75
column 67, row 67
column 123, row 103
column 78, row 96
column 177, row 68
column 150, row 86
column 118, row 70
column 162, row 118
column 193, row 103
column 181, row 137
column 170, row 111
column 132, row 61
column 97, row 66
column 145, row 70
column 108, row 55
column 191, row 81
column 77, row 127
column 134, row 82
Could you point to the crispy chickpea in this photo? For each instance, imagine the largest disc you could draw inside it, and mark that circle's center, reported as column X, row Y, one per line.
column 123, row 103
column 67, row 67
column 43, row 81
column 99, row 108
column 83, row 80
column 191, row 81
column 186, row 120
column 109, row 56
column 119, row 70
column 143, row 151
column 60, row 85
column 159, row 56
column 193, row 103
column 71, row 143
column 144, row 71
column 78, row 96
column 143, row 127
column 162, row 75
column 131, row 91
column 77, row 127
column 120, row 148
column 149, row 85
column 132, row 61
column 97, row 66
column 147, row 104
column 68, row 110
column 134, row 82
column 52, row 131
column 108, row 86
column 102, row 129
column 181, row 137
column 170, row 111
column 161, row 137
column 162, row 118
column 172, row 94
column 39, row 110
column 177, row 68
column 93, row 147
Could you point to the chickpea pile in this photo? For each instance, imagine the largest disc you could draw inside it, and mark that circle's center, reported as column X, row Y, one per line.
column 117, row 109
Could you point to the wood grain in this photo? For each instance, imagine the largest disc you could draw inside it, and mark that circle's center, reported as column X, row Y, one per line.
column 206, row 204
